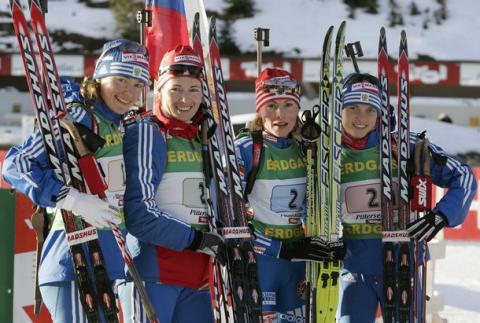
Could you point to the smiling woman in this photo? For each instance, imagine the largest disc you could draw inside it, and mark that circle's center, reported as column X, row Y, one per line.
column 98, row 103
column 165, row 207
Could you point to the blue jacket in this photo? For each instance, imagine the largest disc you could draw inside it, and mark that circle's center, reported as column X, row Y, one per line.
column 366, row 255
column 156, row 239
column 26, row 169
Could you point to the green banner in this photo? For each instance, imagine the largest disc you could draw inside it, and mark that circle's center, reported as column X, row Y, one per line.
column 7, row 231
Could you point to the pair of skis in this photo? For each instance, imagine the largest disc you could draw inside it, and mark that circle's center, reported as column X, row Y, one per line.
column 324, row 180
column 235, row 292
column 403, row 285
column 74, row 164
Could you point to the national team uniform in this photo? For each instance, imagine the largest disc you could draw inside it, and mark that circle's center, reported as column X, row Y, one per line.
column 26, row 169
column 361, row 280
column 163, row 206
column 278, row 203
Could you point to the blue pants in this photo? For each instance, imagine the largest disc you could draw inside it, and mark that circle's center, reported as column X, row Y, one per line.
column 283, row 289
column 62, row 300
column 172, row 304
column 359, row 297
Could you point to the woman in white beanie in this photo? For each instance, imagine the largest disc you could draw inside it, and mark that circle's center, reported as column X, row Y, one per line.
column 362, row 276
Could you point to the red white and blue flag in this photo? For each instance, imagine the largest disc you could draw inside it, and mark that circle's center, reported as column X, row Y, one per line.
column 169, row 28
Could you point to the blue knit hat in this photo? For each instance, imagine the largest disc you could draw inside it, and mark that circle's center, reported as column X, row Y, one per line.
column 361, row 89
column 123, row 57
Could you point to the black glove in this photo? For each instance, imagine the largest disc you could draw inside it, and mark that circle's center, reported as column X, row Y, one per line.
column 426, row 227
column 210, row 243
column 311, row 248
column 337, row 250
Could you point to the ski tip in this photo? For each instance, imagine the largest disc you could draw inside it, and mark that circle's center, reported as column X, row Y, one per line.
column 212, row 29
column 196, row 22
column 382, row 31
column 37, row 4
column 403, row 35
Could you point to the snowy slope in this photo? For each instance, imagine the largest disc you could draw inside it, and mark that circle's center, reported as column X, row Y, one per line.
column 301, row 24
column 298, row 26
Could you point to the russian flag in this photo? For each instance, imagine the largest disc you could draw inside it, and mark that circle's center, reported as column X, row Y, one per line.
column 169, row 28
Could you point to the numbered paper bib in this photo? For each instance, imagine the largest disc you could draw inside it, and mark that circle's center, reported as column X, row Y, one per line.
column 182, row 195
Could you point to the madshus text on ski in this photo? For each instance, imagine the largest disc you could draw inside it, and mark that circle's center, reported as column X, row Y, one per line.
column 164, row 215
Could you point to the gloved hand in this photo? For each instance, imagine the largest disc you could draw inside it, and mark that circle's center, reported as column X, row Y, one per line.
column 91, row 208
column 337, row 250
column 311, row 248
column 210, row 243
column 426, row 227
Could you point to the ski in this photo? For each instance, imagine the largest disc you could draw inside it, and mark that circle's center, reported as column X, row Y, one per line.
column 397, row 281
column 229, row 203
column 421, row 184
column 44, row 118
column 83, row 172
column 219, row 294
column 403, row 110
column 317, row 169
column 329, row 159
column 387, row 193
column 89, row 168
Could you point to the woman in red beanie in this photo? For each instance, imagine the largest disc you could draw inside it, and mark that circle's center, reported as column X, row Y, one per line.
column 275, row 190
column 165, row 213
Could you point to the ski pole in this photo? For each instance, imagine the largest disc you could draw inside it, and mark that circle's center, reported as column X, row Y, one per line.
column 144, row 18
column 262, row 37
column 353, row 50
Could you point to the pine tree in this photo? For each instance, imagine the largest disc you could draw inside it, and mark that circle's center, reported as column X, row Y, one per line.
column 125, row 13
column 414, row 11
column 239, row 9
column 235, row 9
column 226, row 41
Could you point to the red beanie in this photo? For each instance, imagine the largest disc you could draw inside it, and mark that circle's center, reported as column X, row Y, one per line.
column 275, row 83
column 182, row 60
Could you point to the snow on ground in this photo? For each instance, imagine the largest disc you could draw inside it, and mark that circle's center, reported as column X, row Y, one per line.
column 457, row 278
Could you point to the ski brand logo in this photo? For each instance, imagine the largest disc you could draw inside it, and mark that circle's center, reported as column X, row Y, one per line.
column 386, row 161
column 325, row 130
column 32, row 74
column 422, row 192
column 82, row 236
column 395, row 236
column 227, row 127
column 72, row 159
column 404, row 133
column 236, row 232
column 52, row 78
